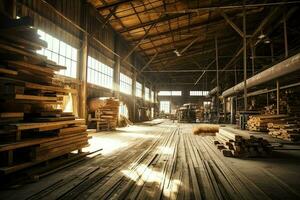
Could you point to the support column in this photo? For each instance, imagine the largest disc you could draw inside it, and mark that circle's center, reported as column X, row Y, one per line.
column 278, row 98
column 253, row 58
column 245, row 58
column 217, row 70
column 117, row 69
column 285, row 36
column 134, row 96
column 12, row 8
column 232, row 110
column 83, row 78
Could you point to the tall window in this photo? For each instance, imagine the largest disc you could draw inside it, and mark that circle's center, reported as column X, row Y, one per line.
column 198, row 93
column 99, row 73
column 138, row 89
column 169, row 93
column 164, row 106
column 61, row 53
column 152, row 96
column 125, row 84
column 123, row 110
column 147, row 94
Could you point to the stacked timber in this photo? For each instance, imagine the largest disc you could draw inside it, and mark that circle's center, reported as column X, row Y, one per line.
column 33, row 128
column 260, row 122
column 234, row 143
column 105, row 112
column 286, row 128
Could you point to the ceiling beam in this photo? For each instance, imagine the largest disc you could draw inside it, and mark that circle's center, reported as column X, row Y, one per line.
column 190, row 71
column 113, row 4
column 132, row 50
column 149, row 62
column 230, row 7
column 156, row 21
column 231, row 23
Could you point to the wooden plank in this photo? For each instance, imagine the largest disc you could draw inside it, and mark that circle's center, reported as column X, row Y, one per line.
column 8, row 71
column 27, row 126
column 11, row 114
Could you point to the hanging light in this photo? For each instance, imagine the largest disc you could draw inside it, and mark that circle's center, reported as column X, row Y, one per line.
column 267, row 41
column 177, row 53
column 262, row 35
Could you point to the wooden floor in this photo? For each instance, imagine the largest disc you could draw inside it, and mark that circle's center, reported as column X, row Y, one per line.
column 166, row 161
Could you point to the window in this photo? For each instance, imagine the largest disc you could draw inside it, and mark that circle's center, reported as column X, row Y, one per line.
column 169, row 93
column 138, row 89
column 123, row 110
column 206, row 103
column 99, row 73
column 164, row 106
column 125, row 84
column 147, row 94
column 164, row 93
column 152, row 96
column 176, row 93
column 198, row 93
column 61, row 53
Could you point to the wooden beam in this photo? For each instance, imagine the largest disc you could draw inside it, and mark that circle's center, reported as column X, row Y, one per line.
column 113, row 4
column 149, row 62
column 132, row 50
column 231, row 23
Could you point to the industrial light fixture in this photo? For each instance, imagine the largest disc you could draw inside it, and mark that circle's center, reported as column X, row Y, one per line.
column 177, row 53
column 261, row 36
column 267, row 41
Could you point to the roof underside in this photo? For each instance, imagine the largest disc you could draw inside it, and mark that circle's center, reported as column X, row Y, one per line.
column 180, row 34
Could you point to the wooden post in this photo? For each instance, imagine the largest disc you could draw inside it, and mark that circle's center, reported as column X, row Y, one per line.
column 285, row 36
column 83, row 78
column 278, row 98
column 12, row 8
column 245, row 59
column 117, row 69
column 133, row 95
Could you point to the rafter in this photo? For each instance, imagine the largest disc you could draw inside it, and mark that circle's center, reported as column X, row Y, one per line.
column 149, row 23
column 113, row 4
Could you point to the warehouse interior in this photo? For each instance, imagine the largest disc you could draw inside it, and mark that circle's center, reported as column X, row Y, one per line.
column 149, row 99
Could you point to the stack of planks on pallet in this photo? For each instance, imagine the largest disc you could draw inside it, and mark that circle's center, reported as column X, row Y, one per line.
column 260, row 122
column 33, row 127
column 235, row 143
column 286, row 128
column 105, row 113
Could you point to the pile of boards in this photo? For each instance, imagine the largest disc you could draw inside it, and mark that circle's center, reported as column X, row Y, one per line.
column 105, row 112
column 235, row 143
column 33, row 127
column 260, row 122
column 286, row 128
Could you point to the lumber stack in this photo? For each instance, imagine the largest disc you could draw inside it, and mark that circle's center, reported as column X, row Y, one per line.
column 206, row 129
column 33, row 128
column 234, row 143
column 286, row 128
column 260, row 122
column 106, row 112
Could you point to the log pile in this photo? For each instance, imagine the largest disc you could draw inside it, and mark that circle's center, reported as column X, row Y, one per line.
column 105, row 112
column 33, row 128
column 286, row 128
column 234, row 143
column 260, row 122
column 206, row 129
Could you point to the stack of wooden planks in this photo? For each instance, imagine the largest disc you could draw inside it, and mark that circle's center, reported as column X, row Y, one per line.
column 234, row 143
column 260, row 122
column 206, row 129
column 33, row 127
column 105, row 113
column 286, row 128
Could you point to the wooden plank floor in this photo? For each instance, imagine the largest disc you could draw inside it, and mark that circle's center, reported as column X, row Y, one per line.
column 166, row 161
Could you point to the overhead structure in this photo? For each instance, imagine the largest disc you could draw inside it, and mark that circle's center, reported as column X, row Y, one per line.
column 285, row 67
